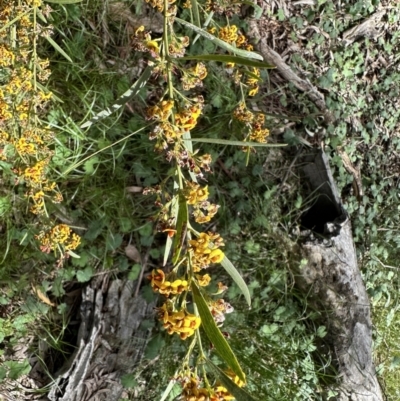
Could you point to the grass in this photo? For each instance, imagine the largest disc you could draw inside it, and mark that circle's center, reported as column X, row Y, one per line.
column 277, row 340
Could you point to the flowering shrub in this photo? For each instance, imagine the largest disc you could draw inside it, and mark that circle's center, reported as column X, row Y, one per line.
column 183, row 199
column 25, row 140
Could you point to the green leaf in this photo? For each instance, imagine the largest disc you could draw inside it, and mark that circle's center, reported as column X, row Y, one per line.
column 214, row 334
column 205, row 25
column 58, row 48
column 219, row 42
column 227, row 58
column 17, row 369
column 181, row 228
column 122, row 100
column 237, row 278
column 3, row 373
column 174, row 213
column 239, row 393
column 84, row 275
column 236, row 143
column 88, row 166
column 129, row 381
column 135, row 271
column 170, row 388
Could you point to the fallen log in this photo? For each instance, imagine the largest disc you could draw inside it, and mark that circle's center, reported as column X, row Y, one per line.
column 110, row 342
column 333, row 282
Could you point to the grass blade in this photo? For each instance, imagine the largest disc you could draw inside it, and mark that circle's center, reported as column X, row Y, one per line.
column 58, row 48
column 219, row 42
column 228, row 58
column 214, row 333
column 122, row 100
column 237, row 278
column 236, row 143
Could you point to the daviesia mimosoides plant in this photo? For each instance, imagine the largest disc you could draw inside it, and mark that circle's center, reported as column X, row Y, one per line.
column 26, row 141
column 186, row 201
column 182, row 198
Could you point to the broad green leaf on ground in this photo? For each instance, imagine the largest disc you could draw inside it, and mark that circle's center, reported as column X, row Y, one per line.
column 129, row 381
column 219, row 42
column 237, row 278
column 236, row 143
column 214, row 333
column 227, row 58
column 17, row 369
column 83, row 276
column 181, row 228
column 122, row 100
column 239, row 393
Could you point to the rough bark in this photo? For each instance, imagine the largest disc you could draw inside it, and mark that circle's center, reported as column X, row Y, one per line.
column 333, row 281
column 110, row 342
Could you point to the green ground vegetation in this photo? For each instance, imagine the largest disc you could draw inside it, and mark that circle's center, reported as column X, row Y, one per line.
column 99, row 169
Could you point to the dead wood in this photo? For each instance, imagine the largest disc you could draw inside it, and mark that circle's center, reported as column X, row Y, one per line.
column 333, row 281
column 110, row 342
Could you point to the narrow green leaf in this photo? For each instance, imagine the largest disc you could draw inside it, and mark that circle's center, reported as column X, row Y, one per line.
column 63, row 1
column 181, row 228
column 195, row 11
column 214, row 334
column 169, row 388
column 189, row 146
column 239, row 393
column 58, row 48
column 205, row 25
column 122, row 100
column 237, row 143
column 237, row 278
column 169, row 242
column 219, row 42
column 228, row 58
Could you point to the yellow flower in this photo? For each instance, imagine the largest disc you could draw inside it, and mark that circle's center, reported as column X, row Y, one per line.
column 179, row 322
column 216, row 256
column 228, row 33
column 203, row 281
column 253, row 91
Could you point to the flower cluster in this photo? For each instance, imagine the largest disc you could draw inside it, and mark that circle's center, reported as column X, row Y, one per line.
column 180, row 322
column 205, row 250
column 25, row 143
column 254, row 123
column 165, row 287
column 183, row 199
column 193, row 389
column 59, row 236
column 197, row 197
